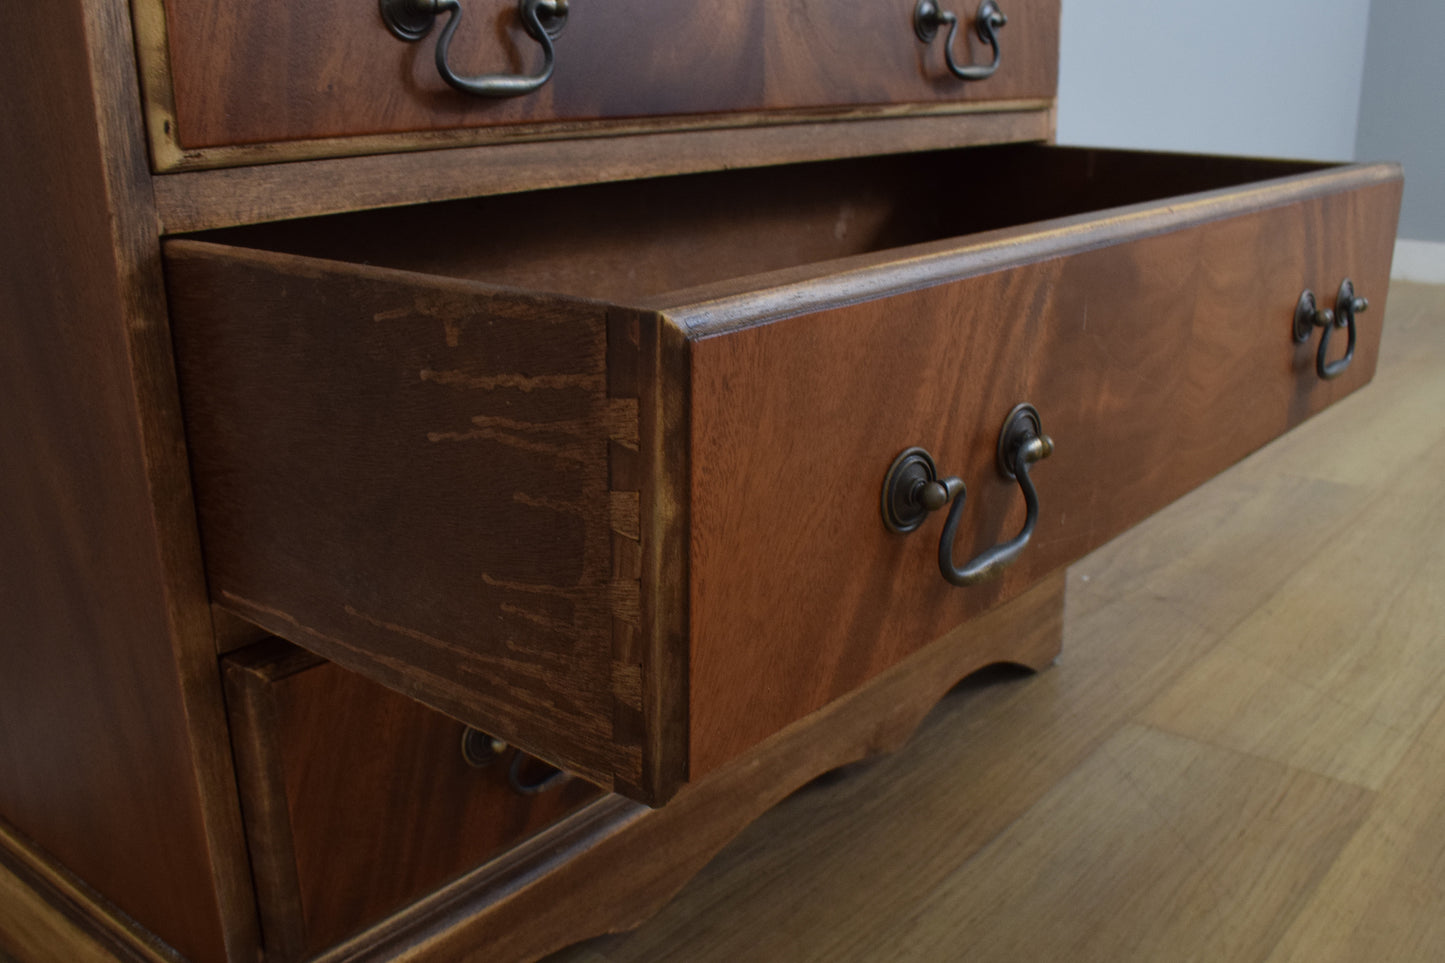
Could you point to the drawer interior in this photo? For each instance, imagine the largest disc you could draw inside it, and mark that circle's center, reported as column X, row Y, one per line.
column 630, row 242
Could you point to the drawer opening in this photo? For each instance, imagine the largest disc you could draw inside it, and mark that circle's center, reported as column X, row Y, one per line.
column 633, row 241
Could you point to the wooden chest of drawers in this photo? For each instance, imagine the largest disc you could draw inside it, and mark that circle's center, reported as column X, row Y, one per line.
column 606, row 464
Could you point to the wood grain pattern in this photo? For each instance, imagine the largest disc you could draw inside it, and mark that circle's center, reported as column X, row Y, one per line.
column 631, row 861
column 1050, row 224
column 1154, row 822
column 409, row 475
column 113, row 753
column 631, row 657
column 1373, row 904
column 666, row 461
column 629, row 242
column 1135, row 354
column 1350, row 705
column 738, row 239
column 357, row 800
column 267, row 190
column 260, row 73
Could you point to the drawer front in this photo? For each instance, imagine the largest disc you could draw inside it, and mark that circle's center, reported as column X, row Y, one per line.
column 358, row 801
column 634, row 526
column 1155, row 362
column 265, row 72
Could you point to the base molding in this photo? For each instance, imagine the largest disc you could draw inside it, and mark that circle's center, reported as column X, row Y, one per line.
column 607, row 868
column 49, row 916
column 616, row 863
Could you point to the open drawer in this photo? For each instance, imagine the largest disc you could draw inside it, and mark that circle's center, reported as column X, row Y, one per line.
column 601, row 470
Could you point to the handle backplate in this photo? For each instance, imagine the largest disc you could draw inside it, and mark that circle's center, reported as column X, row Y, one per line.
column 912, row 489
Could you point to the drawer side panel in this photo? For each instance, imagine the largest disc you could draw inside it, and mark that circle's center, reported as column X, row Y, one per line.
column 1155, row 363
column 409, row 476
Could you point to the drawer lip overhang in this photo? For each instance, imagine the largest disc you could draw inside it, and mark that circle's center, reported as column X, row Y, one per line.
column 733, row 305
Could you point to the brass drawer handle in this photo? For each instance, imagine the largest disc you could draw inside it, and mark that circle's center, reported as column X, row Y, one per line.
column 480, row 750
column 410, row 20
column 1308, row 315
column 912, row 489
column 552, row 777
column 928, row 17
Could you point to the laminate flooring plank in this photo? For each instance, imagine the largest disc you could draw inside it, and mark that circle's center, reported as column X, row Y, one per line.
column 1382, row 898
column 1158, row 848
column 1376, row 432
column 1416, row 327
column 1219, row 552
column 1340, row 669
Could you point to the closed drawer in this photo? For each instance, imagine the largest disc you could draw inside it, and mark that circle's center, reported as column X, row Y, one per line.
column 625, row 511
column 358, row 801
column 270, row 73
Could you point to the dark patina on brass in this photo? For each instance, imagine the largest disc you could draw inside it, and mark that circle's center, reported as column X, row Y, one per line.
column 928, row 17
column 1021, row 443
column 481, row 749
column 410, row 20
column 1308, row 315
column 516, row 777
column 912, row 489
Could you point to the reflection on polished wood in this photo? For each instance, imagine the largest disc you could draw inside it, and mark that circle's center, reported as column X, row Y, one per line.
column 1237, row 757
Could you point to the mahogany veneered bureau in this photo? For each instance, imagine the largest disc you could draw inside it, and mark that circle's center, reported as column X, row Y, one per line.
column 448, row 457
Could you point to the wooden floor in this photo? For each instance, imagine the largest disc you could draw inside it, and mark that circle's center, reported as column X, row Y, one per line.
column 1240, row 755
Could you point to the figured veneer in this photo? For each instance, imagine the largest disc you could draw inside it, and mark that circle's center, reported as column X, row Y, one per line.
column 1137, row 355
column 268, row 73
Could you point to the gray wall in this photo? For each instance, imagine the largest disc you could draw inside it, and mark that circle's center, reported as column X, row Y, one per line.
column 1276, row 78
column 1402, row 107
